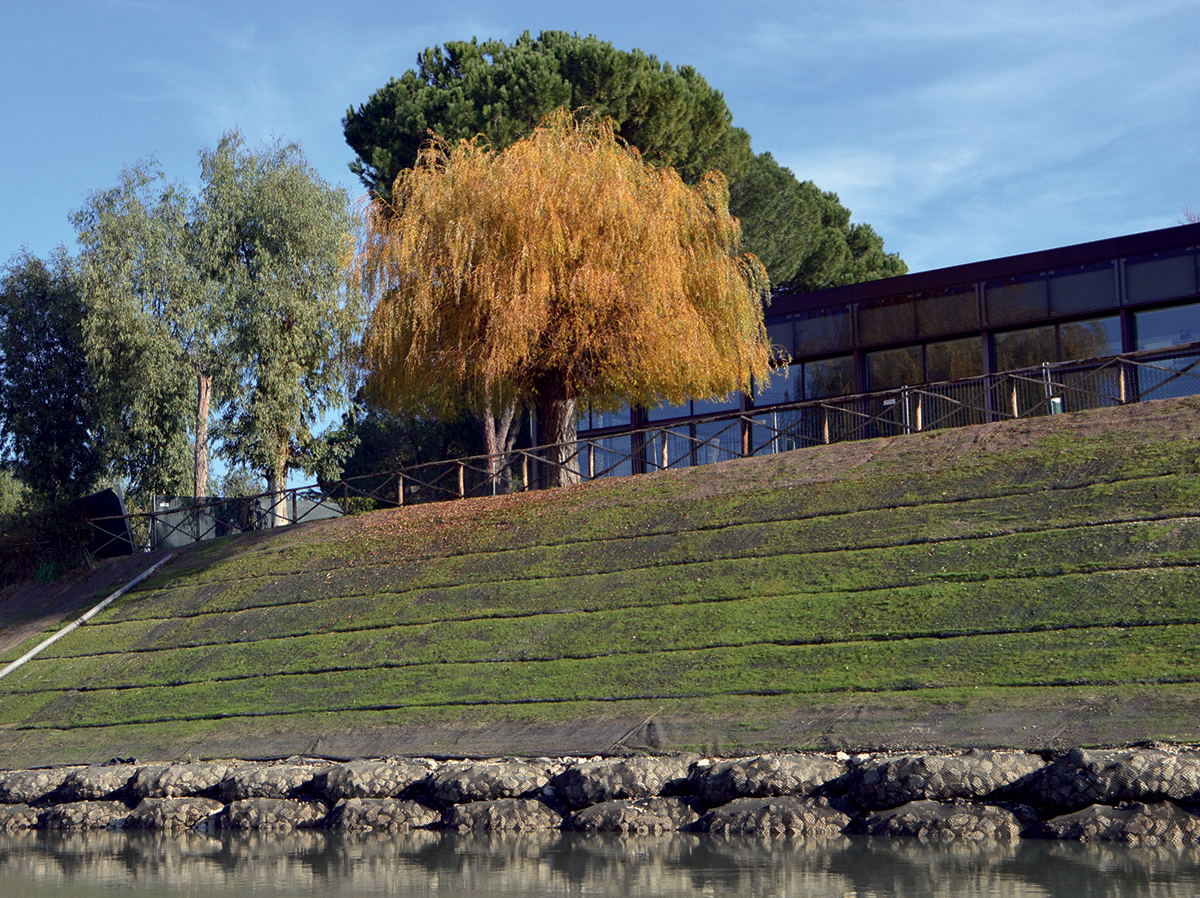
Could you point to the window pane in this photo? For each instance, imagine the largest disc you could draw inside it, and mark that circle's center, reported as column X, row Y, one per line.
column 829, row 377
column 893, row 368
column 785, row 385
column 887, row 320
column 1160, row 276
column 1090, row 339
column 1086, row 288
column 824, row 330
column 619, row 418
column 1167, row 327
column 1015, row 299
column 947, row 311
column 1025, row 348
column 780, row 333
column 663, row 412
column 729, row 403
column 954, row 359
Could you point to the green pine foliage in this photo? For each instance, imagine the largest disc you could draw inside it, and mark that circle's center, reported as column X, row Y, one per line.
column 671, row 114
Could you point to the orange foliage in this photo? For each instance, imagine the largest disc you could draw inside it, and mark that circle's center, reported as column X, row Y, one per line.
column 564, row 265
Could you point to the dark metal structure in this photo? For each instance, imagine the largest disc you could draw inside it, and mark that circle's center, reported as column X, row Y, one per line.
column 1127, row 294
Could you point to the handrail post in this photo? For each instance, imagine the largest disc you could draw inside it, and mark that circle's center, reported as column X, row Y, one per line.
column 399, row 487
column 462, row 491
column 524, row 471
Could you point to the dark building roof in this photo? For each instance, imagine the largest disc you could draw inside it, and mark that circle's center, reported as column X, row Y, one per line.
column 1007, row 266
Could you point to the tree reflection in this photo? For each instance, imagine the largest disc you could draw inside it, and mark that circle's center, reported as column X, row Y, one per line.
column 412, row 864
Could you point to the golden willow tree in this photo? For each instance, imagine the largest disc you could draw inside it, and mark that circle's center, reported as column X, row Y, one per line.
column 562, row 269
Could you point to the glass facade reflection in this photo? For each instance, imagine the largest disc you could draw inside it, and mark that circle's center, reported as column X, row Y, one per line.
column 829, row 377
column 1163, row 275
column 666, row 411
column 1091, row 339
column 784, row 385
column 1140, row 292
column 1160, row 328
column 889, row 320
column 892, row 368
column 823, row 330
column 1082, row 288
column 595, row 419
column 954, row 359
column 1026, row 348
column 1016, row 299
column 950, row 310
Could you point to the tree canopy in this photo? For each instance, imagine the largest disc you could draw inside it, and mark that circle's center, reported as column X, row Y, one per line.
column 152, row 330
column 236, row 296
column 672, row 115
column 48, row 421
column 278, row 245
column 503, row 91
column 803, row 234
column 561, row 268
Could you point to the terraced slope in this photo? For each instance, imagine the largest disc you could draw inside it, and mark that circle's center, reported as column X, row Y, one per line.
column 1027, row 583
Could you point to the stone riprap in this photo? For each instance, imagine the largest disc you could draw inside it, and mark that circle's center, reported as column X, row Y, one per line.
column 588, row 783
column 1144, row 796
column 97, row 783
column 172, row 814
column 501, row 815
column 762, row 777
column 31, row 786
column 1080, row 778
column 889, row 782
column 460, row 783
column 385, row 815
column 1161, row 824
column 954, row 821
column 392, row 778
column 783, row 815
column 180, row 780
column 639, row 816
column 268, row 781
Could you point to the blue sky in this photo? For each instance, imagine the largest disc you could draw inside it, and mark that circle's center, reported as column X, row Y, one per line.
column 959, row 130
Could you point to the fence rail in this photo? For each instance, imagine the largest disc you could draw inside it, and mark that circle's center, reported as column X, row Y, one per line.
column 1032, row 392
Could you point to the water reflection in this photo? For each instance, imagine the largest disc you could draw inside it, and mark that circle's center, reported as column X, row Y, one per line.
column 428, row 864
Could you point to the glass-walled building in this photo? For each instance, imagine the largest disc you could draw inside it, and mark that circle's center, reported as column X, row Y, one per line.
column 1125, row 294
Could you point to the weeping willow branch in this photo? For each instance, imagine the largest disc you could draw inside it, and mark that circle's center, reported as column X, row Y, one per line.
column 564, row 268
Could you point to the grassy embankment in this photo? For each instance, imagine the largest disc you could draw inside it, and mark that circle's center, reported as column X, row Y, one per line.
column 1031, row 583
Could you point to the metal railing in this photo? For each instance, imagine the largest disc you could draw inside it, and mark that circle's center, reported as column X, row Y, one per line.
column 1051, row 388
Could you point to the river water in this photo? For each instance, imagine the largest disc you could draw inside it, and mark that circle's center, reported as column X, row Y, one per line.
column 429, row 864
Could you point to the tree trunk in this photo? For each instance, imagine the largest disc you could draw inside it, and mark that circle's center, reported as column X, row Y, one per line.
column 558, row 419
column 203, row 398
column 500, row 432
column 276, row 484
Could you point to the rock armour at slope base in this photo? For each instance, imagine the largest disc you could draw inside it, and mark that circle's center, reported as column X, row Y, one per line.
column 1142, row 796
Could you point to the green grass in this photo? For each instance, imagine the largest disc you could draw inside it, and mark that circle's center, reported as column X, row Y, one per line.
column 773, row 598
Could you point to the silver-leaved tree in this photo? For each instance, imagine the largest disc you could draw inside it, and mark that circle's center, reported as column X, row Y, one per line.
column 233, row 300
